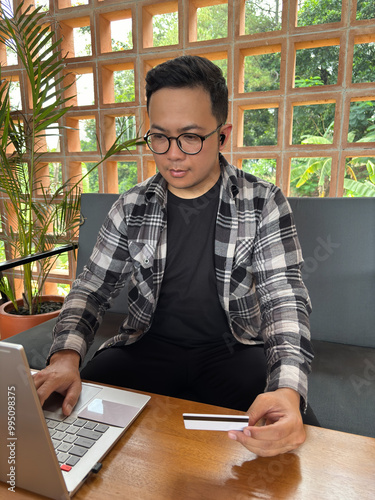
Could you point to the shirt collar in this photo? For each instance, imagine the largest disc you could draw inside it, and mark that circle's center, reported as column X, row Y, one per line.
column 228, row 172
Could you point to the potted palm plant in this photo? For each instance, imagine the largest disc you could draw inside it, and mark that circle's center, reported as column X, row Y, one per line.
column 34, row 217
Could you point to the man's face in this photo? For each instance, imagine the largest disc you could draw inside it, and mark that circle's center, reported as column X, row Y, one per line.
column 176, row 111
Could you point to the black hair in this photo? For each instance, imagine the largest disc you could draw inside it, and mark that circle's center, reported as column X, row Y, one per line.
column 191, row 71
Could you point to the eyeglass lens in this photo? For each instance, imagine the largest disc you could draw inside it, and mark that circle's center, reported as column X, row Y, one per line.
column 188, row 143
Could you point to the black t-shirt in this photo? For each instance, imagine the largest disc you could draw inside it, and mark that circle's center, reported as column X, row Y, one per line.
column 189, row 312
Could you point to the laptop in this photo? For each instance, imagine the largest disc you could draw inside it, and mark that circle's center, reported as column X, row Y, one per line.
column 43, row 451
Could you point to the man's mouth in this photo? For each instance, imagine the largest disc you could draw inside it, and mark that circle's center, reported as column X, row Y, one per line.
column 177, row 173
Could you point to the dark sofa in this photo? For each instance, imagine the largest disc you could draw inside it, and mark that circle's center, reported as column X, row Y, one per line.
column 337, row 236
column 338, row 241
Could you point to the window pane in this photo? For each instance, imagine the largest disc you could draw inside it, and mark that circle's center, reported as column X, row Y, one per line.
column 127, row 175
column 310, row 177
column 365, row 9
column 87, row 135
column 359, row 177
column 62, row 264
column 90, row 183
column 85, row 89
column 124, row 85
column 2, row 251
column 363, row 62
column 262, row 72
column 11, row 55
column 260, row 127
column 55, row 174
column 82, row 41
column 362, row 121
column 317, row 66
column 212, row 22
column 318, row 12
column 265, row 168
column 262, row 16
column 44, row 4
column 121, row 34
column 165, row 29
column 15, row 95
column 63, row 289
column 53, row 138
column 313, row 124
column 126, row 128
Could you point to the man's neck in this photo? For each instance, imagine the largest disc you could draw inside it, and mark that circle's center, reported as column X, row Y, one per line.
column 195, row 191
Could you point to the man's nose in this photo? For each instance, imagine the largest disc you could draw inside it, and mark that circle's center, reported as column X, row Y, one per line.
column 174, row 151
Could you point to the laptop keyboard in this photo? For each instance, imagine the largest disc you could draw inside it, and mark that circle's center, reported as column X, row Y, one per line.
column 72, row 438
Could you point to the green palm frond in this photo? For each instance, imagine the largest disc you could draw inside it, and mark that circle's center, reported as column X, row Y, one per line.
column 34, row 219
column 365, row 188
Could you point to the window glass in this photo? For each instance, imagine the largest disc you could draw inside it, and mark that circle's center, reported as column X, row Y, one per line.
column 363, row 63
column 359, row 177
column 310, row 177
column 90, row 184
column 260, row 127
column 313, row 124
column 127, row 175
column 318, row 12
column 362, row 121
column 87, row 134
column 262, row 72
column 317, row 66
column 212, row 22
column 165, row 29
column 121, row 35
column 82, row 41
column 124, row 85
column 262, row 16
column 85, row 89
column 365, row 9
column 265, row 168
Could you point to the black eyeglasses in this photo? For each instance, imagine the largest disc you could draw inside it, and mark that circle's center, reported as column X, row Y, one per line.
column 190, row 144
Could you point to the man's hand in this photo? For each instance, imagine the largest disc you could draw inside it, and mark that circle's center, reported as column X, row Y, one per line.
column 282, row 429
column 61, row 375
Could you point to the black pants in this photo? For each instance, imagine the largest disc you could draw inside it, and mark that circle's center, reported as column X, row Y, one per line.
column 228, row 376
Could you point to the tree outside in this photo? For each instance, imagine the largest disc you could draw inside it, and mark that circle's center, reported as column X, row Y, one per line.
column 312, row 124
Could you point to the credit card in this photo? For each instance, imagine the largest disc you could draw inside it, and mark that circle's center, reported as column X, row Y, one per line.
column 208, row 422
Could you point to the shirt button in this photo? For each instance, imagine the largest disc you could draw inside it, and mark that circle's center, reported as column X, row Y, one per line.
column 146, row 261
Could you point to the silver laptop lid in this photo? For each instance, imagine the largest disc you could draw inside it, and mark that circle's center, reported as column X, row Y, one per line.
column 27, row 457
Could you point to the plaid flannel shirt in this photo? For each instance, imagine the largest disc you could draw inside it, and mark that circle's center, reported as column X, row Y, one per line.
column 258, row 270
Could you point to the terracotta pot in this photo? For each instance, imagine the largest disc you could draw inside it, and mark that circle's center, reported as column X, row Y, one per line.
column 11, row 324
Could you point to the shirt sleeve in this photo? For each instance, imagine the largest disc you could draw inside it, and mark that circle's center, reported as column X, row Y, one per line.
column 284, row 301
column 100, row 281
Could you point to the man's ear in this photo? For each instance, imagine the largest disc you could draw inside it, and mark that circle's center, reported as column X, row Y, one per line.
column 224, row 135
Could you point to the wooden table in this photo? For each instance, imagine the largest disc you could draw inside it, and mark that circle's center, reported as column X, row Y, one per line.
column 157, row 459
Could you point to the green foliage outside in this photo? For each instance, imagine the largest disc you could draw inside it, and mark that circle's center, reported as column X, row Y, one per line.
column 265, row 168
column 313, row 12
column 262, row 16
column 212, row 22
column 365, row 9
column 317, row 66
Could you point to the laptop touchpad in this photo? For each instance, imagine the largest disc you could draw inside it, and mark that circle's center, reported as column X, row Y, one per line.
column 108, row 412
column 54, row 402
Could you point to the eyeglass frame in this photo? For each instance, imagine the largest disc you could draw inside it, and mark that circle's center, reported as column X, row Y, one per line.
column 201, row 137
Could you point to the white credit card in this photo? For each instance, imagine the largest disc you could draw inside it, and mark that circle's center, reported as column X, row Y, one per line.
column 207, row 422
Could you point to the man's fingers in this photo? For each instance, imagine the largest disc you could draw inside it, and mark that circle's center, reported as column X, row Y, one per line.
column 262, row 448
column 71, row 397
column 66, row 382
column 271, row 439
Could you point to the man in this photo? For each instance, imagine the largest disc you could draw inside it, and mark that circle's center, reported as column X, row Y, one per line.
column 218, row 312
